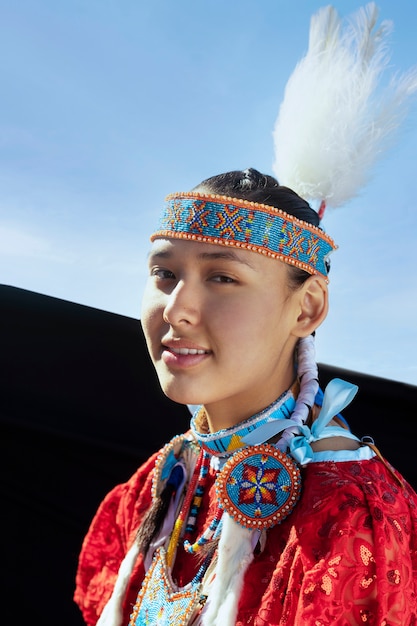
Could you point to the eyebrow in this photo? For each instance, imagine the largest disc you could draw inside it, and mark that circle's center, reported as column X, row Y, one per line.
column 223, row 255
column 226, row 255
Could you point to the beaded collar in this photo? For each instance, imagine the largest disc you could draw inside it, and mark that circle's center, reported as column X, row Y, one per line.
column 224, row 443
column 226, row 221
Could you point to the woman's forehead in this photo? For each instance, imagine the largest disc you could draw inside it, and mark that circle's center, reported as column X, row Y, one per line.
column 171, row 248
column 203, row 250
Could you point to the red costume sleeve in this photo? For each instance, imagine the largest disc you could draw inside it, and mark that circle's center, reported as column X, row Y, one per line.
column 109, row 537
column 346, row 556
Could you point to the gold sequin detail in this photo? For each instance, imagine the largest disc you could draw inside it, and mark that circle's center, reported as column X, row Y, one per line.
column 366, row 555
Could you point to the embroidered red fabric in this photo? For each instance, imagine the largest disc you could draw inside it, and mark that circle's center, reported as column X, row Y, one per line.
column 347, row 555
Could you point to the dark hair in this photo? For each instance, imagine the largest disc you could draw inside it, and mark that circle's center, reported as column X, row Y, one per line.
column 251, row 185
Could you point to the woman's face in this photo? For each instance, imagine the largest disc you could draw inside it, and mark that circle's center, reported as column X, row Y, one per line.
column 220, row 326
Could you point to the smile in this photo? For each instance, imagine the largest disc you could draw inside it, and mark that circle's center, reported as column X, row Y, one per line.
column 186, row 351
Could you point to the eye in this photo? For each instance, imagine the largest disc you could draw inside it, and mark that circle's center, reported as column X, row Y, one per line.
column 221, row 278
column 161, row 273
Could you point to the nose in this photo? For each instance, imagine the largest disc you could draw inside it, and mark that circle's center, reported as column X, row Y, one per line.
column 182, row 305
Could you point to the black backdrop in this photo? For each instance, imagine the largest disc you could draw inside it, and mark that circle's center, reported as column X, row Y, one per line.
column 80, row 409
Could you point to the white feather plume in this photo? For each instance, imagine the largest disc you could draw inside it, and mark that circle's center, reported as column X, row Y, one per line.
column 336, row 119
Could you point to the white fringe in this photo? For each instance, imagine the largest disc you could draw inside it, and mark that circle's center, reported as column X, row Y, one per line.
column 336, row 119
column 235, row 554
column 112, row 614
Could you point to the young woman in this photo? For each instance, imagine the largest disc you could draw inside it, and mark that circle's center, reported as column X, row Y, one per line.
column 269, row 511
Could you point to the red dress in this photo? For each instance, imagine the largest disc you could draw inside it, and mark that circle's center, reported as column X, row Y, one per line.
column 346, row 556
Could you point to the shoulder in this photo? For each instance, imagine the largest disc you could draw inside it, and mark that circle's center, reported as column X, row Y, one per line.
column 370, row 484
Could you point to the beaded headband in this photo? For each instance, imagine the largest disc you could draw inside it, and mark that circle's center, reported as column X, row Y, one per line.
column 226, row 221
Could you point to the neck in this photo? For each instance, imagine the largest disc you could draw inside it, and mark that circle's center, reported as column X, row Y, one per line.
column 220, row 416
column 224, row 442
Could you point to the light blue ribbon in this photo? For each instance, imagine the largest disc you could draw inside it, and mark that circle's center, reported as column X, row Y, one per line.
column 267, row 431
column 338, row 394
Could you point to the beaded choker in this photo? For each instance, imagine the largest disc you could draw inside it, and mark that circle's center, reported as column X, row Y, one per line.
column 226, row 221
column 225, row 442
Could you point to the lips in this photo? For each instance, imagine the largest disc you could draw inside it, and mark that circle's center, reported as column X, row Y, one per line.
column 183, row 353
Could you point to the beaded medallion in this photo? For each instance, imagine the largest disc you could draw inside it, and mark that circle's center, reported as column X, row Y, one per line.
column 259, row 486
column 160, row 602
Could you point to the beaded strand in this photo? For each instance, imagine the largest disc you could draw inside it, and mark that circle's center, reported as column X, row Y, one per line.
column 191, row 505
column 201, row 485
column 181, row 519
column 207, row 535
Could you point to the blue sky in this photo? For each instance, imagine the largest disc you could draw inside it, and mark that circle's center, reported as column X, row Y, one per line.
column 109, row 105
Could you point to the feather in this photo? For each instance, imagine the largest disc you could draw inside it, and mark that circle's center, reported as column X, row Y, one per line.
column 234, row 557
column 336, row 118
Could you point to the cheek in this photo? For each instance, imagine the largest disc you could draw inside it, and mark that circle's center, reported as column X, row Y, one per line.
column 236, row 325
column 151, row 312
column 264, row 320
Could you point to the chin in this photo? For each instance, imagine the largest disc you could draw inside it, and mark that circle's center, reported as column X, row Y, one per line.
column 182, row 390
column 181, row 396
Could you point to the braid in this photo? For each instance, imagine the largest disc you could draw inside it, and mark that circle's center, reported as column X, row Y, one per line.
column 153, row 520
column 309, row 385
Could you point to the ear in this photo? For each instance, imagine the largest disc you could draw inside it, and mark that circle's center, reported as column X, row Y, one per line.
column 314, row 304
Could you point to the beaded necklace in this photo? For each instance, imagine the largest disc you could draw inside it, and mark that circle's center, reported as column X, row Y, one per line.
column 226, row 442
column 185, row 509
column 257, row 487
column 213, row 527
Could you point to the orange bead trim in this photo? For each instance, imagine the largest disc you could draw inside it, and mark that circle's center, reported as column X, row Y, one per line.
column 244, row 224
